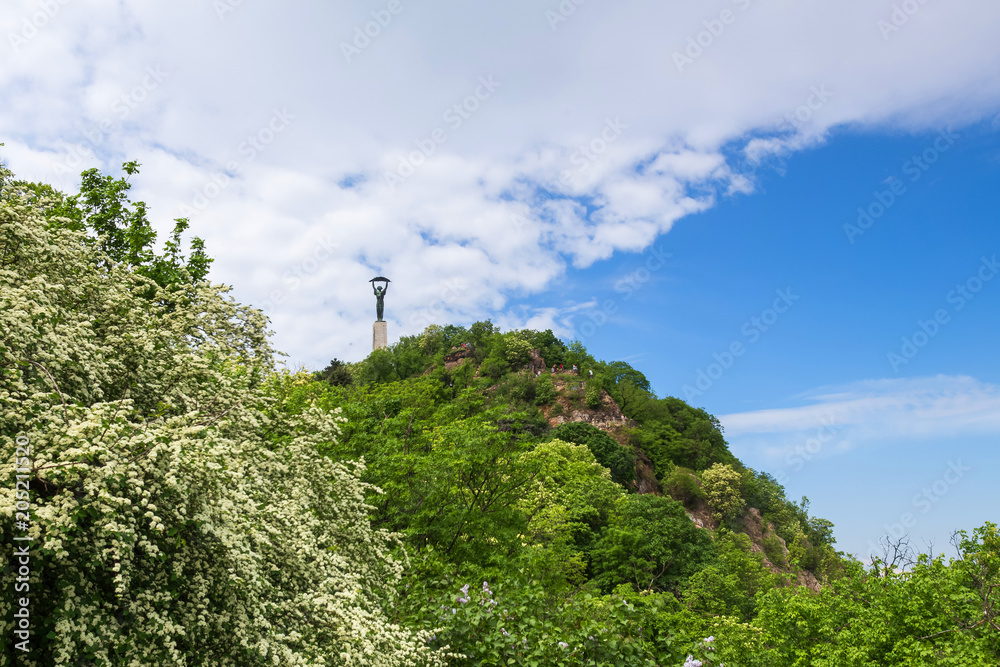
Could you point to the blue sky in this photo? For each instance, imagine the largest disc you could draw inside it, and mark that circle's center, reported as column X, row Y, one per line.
column 863, row 467
column 668, row 183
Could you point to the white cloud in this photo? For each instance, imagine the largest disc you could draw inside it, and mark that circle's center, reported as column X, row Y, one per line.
column 872, row 412
column 453, row 221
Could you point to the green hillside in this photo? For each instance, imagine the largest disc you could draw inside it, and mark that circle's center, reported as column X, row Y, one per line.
column 451, row 383
column 450, row 500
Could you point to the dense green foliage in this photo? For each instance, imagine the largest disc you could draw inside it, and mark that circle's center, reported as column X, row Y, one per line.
column 651, row 544
column 431, row 504
column 570, row 550
column 336, row 373
column 619, row 460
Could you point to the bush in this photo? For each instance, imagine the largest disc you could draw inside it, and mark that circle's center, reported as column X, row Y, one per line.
column 516, row 387
column 804, row 554
column 682, row 485
column 763, row 491
column 774, row 550
column 593, row 393
column 493, row 367
column 620, row 460
column 545, row 391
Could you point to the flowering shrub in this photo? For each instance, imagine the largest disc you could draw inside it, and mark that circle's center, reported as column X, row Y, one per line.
column 179, row 515
column 522, row 624
column 705, row 649
column 722, row 485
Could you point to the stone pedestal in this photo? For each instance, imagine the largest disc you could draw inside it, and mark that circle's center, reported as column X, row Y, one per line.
column 380, row 335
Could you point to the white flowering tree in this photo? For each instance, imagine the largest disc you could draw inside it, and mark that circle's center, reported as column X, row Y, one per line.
column 178, row 513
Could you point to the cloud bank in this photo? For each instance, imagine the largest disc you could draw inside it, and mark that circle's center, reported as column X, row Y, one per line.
column 474, row 153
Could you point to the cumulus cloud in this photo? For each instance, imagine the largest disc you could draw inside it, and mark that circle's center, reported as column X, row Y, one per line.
column 522, row 145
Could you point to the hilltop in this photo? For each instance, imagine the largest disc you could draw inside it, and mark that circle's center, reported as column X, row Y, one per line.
column 661, row 447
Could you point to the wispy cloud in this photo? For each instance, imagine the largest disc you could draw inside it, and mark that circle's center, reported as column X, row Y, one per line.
column 871, row 412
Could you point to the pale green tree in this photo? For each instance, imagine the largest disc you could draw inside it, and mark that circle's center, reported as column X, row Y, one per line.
column 516, row 349
column 722, row 486
column 567, row 503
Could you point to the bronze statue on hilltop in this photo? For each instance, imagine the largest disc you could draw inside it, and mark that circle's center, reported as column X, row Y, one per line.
column 380, row 294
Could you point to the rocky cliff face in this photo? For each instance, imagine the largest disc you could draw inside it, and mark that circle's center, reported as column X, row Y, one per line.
column 573, row 407
column 537, row 364
column 457, row 357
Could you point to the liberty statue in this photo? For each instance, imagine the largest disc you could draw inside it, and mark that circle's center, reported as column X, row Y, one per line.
column 380, row 295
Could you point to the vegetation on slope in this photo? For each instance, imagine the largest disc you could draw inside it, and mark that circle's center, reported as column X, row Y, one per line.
column 433, row 504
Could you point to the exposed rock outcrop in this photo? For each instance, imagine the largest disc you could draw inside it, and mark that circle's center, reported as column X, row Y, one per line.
column 701, row 515
column 537, row 363
column 573, row 408
column 457, row 356
column 645, row 477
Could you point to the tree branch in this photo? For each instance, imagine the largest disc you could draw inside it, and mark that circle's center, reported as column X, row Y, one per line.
column 54, row 384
